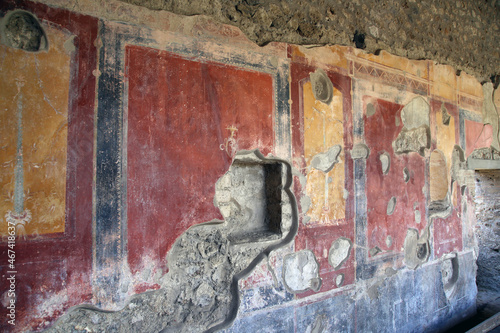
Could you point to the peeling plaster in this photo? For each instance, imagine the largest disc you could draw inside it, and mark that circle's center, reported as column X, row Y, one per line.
column 301, row 272
column 200, row 291
column 326, row 161
column 339, row 252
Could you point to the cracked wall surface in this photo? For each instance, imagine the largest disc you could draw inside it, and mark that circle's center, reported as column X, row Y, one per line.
column 169, row 218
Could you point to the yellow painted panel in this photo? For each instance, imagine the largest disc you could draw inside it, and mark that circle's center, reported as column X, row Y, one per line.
column 470, row 85
column 34, row 88
column 323, row 129
column 444, row 82
column 445, row 140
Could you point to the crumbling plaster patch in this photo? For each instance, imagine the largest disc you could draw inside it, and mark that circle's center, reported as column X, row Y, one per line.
column 200, row 291
column 339, row 252
column 415, row 135
column 301, row 272
column 416, row 248
column 326, row 161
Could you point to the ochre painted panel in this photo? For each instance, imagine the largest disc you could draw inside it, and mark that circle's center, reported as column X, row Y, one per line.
column 323, row 129
column 33, row 141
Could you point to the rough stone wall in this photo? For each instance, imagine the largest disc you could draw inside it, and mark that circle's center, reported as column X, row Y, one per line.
column 463, row 34
column 488, row 230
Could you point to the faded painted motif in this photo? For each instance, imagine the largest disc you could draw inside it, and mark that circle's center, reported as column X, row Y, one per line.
column 324, row 130
column 33, row 136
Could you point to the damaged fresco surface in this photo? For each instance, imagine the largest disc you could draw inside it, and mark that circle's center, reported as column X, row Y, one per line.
column 184, row 179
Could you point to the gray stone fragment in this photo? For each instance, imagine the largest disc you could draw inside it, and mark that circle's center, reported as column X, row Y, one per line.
column 339, row 280
column 441, row 208
column 374, row 251
column 449, row 273
column 418, row 216
column 445, row 115
column 325, row 161
column 339, row 252
column 414, row 140
column 388, row 241
column 391, row 205
column 360, row 151
column 385, row 160
column 301, row 272
column 406, row 175
column 322, row 86
column 458, row 165
column 490, row 114
column 487, row 153
column 305, row 203
column 411, row 260
column 389, row 271
column 370, row 110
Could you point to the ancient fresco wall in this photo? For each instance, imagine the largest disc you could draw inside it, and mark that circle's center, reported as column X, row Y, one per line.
column 183, row 178
column 47, row 162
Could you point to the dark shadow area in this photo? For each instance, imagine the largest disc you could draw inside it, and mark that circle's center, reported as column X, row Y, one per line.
column 488, row 304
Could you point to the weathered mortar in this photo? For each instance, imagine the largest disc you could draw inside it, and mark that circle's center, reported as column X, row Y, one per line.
column 463, row 34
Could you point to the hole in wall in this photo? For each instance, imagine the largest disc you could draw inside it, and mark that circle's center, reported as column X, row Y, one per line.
column 359, row 40
column 256, row 194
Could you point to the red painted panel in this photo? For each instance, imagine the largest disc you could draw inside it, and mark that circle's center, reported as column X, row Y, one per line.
column 57, row 268
column 179, row 111
column 381, row 129
column 477, row 135
column 448, row 234
column 319, row 240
